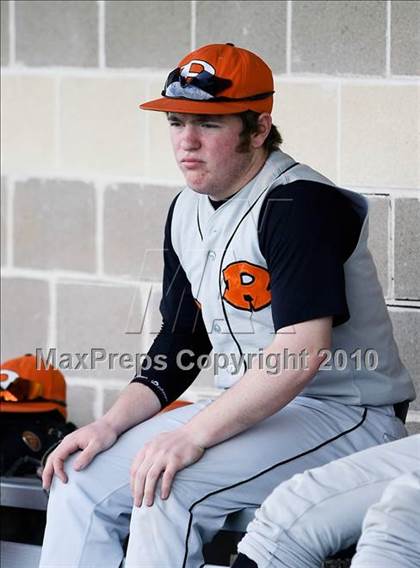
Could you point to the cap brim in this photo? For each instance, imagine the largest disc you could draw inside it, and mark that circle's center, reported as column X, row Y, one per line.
column 167, row 104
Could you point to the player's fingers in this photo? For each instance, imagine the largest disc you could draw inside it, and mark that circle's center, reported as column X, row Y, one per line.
column 55, row 462
column 66, row 447
column 50, row 468
column 47, row 474
column 58, row 465
column 167, row 479
column 139, row 482
column 135, row 466
column 86, row 456
column 150, row 483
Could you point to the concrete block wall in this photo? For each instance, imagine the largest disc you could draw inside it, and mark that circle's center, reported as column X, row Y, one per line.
column 87, row 177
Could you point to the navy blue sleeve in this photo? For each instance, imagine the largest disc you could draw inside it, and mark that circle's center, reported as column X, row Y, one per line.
column 182, row 328
column 307, row 231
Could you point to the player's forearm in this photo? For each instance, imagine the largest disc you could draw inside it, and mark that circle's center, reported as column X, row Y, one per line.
column 256, row 396
column 135, row 404
column 260, row 394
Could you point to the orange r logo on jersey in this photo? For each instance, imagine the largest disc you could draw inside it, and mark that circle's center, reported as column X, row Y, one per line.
column 247, row 286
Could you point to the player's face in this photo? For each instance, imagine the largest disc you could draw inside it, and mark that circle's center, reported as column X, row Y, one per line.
column 206, row 150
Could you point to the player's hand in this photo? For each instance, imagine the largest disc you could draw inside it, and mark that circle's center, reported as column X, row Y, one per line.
column 91, row 439
column 166, row 454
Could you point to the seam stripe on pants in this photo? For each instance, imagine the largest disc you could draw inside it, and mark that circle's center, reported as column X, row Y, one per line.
column 262, row 473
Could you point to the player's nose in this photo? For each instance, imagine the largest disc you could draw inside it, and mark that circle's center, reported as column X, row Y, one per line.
column 190, row 139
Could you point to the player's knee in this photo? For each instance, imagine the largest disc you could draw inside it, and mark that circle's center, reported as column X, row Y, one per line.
column 292, row 501
column 76, row 485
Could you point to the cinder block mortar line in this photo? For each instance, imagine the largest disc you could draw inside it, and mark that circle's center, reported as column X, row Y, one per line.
column 403, row 305
column 388, row 40
column 98, row 403
column 147, row 329
column 107, row 180
column 148, row 72
column 101, row 34
column 99, row 228
column 80, row 381
column 12, row 34
column 145, row 323
column 390, row 249
column 95, row 178
column 193, row 30
column 407, row 193
column 386, row 198
column 379, row 195
column 348, row 79
column 57, row 122
column 92, row 72
column 10, row 197
column 338, row 134
column 391, row 263
column 62, row 277
column 289, row 15
column 70, row 277
column 147, row 133
column 52, row 320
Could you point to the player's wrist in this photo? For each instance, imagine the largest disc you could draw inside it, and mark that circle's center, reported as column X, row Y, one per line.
column 195, row 435
column 107, row 422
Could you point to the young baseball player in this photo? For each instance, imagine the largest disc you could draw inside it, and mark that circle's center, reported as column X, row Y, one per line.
column 266, row 263
column 317, row 513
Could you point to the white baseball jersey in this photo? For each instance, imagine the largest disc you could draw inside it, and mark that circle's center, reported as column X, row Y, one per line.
column 219, row 251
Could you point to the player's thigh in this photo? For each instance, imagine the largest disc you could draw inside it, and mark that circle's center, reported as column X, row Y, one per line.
column 305, row 434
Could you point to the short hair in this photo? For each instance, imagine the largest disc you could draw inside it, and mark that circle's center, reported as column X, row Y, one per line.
column 250, row 125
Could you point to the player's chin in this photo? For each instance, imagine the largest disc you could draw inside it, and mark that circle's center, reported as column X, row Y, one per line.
column 196, row 183
column 199, row 189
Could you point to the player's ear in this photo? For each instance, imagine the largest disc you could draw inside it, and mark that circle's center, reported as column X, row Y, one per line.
column 263, row 130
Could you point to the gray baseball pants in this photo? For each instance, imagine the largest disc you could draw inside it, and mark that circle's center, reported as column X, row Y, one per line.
column 89, row 517
column 317, row 513
column 391, row 529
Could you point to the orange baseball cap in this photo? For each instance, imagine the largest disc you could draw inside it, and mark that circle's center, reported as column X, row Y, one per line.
column 26, row 388
column 217, row 79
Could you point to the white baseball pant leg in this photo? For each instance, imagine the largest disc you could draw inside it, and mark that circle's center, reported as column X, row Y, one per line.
column 88, row 517
column 391, row 529
column 317, row 513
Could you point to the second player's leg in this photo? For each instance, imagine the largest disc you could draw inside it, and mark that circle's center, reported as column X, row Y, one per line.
column 317, row 513
column 391, row 528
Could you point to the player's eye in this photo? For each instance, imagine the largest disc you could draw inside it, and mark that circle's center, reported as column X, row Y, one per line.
column 209, row 125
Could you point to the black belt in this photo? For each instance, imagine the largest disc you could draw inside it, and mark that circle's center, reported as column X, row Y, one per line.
column 401, row 409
